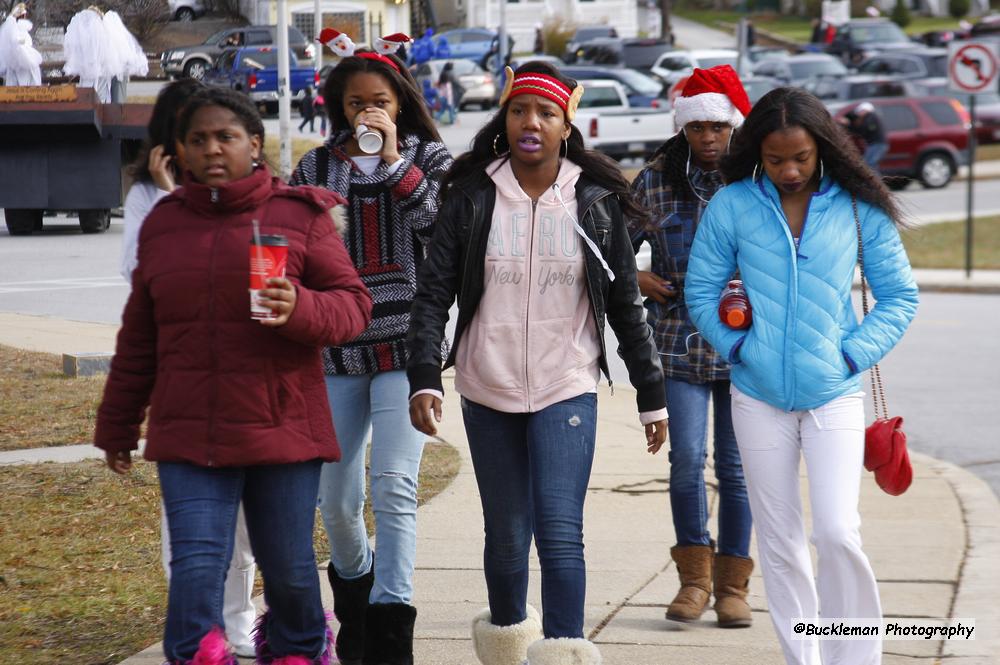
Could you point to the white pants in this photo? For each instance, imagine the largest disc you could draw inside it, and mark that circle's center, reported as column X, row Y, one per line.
column 101, row 85
column 238, row 611
column 831, row 438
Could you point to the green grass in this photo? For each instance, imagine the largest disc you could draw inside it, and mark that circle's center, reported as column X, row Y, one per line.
column 80, row 573
column 943, row 245
column 796, row 28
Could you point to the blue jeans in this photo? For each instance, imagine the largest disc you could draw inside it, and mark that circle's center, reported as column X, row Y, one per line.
column 688, row 427
column 279, row 502
column 376, row 403
column 874, row 153
column 532, row 470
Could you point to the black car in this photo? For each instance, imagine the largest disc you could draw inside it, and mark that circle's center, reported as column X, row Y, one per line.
column 799, row 68
column 586, row 33
column 641, row 89
column 638, row 54
column 917, row 63
column 860, row 37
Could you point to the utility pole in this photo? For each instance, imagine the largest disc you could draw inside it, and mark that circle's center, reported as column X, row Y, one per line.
column 284, row 94
column 502, row 37
column 317, row 27
column 666, row 30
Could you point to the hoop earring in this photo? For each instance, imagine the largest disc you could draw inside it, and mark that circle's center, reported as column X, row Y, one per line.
column 496, row 151
column 756, row 167
column 821, row 170
column 565, row 144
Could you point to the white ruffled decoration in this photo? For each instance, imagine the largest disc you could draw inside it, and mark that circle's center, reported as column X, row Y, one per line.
column 20, row 62
column 129, row 59
column 86, row 48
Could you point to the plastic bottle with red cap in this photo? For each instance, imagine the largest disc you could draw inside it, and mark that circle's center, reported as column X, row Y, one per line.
column 734, row 306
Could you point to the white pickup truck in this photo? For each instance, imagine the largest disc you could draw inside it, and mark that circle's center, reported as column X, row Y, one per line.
column 610, row 125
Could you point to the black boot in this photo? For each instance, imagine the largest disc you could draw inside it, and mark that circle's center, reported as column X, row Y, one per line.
column 350, row 603
column 389, row 634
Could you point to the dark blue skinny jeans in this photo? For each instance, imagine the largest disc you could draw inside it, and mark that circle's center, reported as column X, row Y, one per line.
column 280, row 506
column 688, row 428
column 533, row 470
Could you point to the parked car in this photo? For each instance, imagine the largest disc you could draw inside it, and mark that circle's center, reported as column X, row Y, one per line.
column 987, row 107
column 254, row 70
column 536, row 57
column 859, row 38
column 584, row 34
column 928, row 138
column 637, row 54
column 186, row 10
column 758, row 86
column 987, row 25
column 194, row 61
column 917, row 63
column 857, row 86
column 478, row 84
column 471, row 43
column 610, row 125
column 799, row 68
column 675, row 65
column 641, row 89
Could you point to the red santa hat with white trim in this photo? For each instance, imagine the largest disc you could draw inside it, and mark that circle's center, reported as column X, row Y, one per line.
column 712, row 95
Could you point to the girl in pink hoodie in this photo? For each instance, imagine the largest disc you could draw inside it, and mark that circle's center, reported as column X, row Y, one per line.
column 532, row 239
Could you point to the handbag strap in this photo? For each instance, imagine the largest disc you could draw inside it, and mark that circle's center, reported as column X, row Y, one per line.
column 878, row 393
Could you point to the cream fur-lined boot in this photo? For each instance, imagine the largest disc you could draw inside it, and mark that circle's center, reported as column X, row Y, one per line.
column 504, row 645
column 564, row 651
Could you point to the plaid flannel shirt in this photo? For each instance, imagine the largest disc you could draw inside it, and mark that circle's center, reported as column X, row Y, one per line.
column 685, row 354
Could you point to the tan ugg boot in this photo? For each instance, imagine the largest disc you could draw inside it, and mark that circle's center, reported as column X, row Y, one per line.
column 732, row 582
column 504, row 645
column 694, row 567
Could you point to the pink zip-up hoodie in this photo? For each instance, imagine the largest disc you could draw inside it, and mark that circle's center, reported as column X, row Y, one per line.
column 533, row 341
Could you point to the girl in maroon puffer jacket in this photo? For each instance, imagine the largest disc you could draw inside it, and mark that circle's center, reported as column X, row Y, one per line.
column 238, row 408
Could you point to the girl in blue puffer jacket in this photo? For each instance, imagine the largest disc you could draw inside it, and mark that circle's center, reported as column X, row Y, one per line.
column 787, row 222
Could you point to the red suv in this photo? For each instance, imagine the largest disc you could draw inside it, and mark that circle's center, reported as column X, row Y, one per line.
column 928, row 138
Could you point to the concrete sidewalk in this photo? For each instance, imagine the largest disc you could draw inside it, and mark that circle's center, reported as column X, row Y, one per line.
column 934, row 551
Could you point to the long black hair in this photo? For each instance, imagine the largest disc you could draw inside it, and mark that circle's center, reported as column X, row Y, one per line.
column 162, row 129
column 783, row 108
column 413, row 118
column 491, row 142
column 235, row 101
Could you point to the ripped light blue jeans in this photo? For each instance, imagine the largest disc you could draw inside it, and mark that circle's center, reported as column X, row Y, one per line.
column 377, row 404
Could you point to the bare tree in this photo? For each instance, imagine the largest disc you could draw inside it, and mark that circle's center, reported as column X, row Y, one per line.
column 144, row 18
column 228, row 8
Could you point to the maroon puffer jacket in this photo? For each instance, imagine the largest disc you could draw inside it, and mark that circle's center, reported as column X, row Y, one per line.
column 224, row 390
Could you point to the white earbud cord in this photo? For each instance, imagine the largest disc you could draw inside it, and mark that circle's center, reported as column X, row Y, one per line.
column 583, row 234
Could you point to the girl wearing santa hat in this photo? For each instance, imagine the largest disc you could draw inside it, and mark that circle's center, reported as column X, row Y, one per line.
column 800, row 208
column 676, row 186
column 532, row 240
column 393, row 201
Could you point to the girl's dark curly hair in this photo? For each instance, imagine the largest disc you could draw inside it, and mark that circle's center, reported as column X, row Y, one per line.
column 674, row 152
column 598, row 167
column 162, row 129
column 783, row 108
column 235, row 101
column 413, row 118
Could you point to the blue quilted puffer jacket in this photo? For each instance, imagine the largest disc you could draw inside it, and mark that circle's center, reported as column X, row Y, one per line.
column 805, row 346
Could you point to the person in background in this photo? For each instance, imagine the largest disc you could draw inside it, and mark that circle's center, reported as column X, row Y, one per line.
column 393, row 197
column 237, row 410
column 20, row 61
column 156, row 174
column 539, row 46
column 798, row 205
column 307, row 107
column 88, row 52
column 319, row 109
column 447, row 86
column 126, row 56
column 865, row 123
column 532, row 235
column 676, row 186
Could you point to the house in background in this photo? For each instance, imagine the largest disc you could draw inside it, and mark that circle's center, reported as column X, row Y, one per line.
column 523, row 16
column 360, row 19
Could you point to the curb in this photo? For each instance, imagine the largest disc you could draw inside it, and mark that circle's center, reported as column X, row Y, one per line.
column 975, row 595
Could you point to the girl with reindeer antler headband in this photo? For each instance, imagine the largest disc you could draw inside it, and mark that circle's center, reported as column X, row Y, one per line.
column 532, row 234
column 393, row 201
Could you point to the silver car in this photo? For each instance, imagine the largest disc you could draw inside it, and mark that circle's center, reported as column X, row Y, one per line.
column 478, row 85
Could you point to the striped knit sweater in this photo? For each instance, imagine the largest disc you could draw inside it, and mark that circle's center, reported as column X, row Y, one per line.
column 390, row 219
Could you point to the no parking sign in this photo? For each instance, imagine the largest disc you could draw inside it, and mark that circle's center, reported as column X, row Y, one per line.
column 973, row 67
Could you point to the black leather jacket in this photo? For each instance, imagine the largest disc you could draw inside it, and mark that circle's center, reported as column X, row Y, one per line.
column 454, row 267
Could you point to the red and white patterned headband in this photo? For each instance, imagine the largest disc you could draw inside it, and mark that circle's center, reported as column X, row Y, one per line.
column 543, row 85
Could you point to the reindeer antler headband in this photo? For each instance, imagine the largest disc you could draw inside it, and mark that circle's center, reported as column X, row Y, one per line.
column 543, row 85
